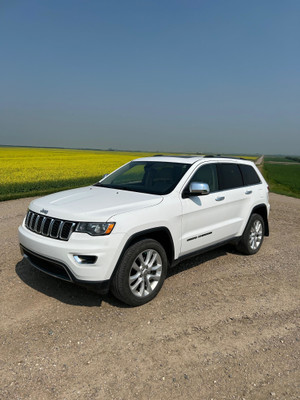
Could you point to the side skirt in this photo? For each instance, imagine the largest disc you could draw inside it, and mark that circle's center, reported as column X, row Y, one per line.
column 205, row 250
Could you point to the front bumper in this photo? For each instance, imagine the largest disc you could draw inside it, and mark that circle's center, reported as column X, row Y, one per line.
column 61, row 271
column 63, row 254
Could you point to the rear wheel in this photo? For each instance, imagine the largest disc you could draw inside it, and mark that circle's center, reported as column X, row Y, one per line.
column 140, row 273
column 253, row 235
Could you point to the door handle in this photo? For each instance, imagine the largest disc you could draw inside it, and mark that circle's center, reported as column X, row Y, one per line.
column 220, row 198
column 248, row 192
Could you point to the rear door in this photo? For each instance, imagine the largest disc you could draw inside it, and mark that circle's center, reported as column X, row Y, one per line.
column 236, row 201
column 254, row 188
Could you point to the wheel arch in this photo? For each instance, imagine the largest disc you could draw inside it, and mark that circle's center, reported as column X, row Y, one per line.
column 161, row 234
column 261, row 209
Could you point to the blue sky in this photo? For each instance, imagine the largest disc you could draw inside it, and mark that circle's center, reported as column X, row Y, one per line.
column 186, row 76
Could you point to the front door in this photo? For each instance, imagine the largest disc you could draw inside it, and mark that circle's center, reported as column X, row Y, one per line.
column 216, row 217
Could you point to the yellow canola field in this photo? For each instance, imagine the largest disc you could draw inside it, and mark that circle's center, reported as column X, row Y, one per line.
column 24, row 165
column 28, row 172
column 32, row 171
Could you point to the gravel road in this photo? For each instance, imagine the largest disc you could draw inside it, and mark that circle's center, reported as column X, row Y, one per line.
column 224, row 326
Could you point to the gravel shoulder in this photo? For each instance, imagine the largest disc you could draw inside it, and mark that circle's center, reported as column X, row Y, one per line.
column 224, row 326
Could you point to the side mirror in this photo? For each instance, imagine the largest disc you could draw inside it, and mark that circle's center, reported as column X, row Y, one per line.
column 198, row 188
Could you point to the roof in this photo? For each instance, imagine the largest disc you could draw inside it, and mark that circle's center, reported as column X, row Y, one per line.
column 188, row 159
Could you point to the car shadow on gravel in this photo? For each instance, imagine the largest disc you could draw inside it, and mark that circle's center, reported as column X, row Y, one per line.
column 61, row 290
column 72, row 294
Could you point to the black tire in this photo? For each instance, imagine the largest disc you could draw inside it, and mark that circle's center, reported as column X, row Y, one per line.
column 253, row 235
column 140, row 273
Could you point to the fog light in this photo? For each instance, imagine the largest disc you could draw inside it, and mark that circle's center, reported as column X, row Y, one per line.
column 80, row 259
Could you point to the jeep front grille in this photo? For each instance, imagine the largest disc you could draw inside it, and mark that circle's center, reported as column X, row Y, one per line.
column 47, row 226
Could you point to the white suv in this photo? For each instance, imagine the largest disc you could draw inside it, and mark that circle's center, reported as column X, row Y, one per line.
column 124, row 232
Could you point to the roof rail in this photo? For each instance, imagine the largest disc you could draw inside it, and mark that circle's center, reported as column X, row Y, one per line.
column 219, row 156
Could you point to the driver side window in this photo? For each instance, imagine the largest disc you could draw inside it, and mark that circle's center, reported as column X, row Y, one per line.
column 207, row 174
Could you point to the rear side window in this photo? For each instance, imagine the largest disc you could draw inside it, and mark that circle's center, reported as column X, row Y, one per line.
column 230, row 176
column 250, row 176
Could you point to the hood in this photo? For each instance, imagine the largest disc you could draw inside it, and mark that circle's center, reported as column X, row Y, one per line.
column 92, row 203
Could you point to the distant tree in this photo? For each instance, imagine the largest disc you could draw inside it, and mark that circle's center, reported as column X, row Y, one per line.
column 296, row 159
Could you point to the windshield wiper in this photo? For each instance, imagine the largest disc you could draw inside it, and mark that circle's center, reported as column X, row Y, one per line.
column 126, row 188
column 118, row 187
column 107, row 186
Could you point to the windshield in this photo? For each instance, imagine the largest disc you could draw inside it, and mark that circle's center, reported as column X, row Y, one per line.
column 147, row 177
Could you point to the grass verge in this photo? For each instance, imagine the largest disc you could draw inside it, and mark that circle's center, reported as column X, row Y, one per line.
column 283, row 179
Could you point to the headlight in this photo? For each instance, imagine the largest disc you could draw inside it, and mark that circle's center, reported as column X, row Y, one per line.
column 95, row 228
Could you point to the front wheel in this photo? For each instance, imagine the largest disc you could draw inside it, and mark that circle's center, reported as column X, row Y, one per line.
column 140, row 273
column 253, row 235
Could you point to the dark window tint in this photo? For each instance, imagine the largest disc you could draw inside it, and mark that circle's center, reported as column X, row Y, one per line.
column 249, row 175
column 230, row 176
column 207, row 174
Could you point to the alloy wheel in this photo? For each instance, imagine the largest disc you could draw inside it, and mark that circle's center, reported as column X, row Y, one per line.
column 145, row 273
column 256, row 235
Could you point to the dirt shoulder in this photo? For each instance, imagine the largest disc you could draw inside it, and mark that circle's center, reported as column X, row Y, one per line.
column 224, row 326
column 260, row 160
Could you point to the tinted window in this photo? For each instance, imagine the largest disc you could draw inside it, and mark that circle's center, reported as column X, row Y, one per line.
column 249, row 175
column 207, row 174
column 230, row 176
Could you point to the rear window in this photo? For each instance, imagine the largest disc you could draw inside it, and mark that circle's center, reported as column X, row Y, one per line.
column 230, row 176
column 250, row 176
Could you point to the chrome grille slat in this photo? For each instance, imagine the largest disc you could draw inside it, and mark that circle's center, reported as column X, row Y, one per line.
column 60, row 228
column 39, row 224
column 27, row 218
column 36, row 223
column 43, row 223
column 46, row 224
column 50, row 227
column 32, row 221
column 63, row 234
column 73, row 226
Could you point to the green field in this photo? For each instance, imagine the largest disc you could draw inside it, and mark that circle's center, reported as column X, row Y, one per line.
column 283, row 178
column 26, row 172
